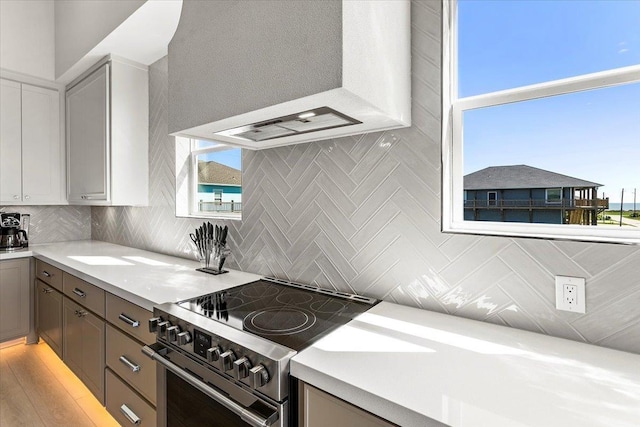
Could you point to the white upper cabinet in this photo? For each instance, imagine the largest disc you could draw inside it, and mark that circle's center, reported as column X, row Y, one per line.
column 31, row 153
column 107, row 135
column 42, row 167
column 261, row 74
column 88, row 137
column 10, row 142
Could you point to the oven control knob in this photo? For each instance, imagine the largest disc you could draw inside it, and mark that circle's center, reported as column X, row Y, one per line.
column 162, row 328
column 241, row 368
column 172, row 333
column 258, row 376
column 153, row 323
column 213, row 354
column 184, row 338
column 228, row 357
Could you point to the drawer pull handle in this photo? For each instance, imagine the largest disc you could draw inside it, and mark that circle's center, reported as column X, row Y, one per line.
column 130, row 365
column 129, row 321
column 45, row 273
column 81, row 313
column 47, row 290
column 131, row 416
column 79, row 293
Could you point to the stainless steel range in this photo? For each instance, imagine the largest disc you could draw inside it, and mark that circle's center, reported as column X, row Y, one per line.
column 223, row 358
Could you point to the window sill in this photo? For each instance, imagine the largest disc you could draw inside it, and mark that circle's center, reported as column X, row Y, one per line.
column 220, row 215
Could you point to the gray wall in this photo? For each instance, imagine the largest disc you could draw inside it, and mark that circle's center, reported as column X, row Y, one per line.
column 362, row 214
column 55, row 223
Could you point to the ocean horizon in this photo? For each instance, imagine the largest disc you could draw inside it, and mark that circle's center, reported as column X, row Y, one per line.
column 626, row 206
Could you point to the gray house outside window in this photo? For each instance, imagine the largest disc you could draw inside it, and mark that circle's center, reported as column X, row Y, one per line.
column 521, row 193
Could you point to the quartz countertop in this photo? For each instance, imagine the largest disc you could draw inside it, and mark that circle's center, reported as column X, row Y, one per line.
column 142, row 277
column 420, row 368
column 20, row 253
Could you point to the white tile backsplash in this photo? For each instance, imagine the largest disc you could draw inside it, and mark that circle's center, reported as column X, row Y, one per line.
column 56, row 223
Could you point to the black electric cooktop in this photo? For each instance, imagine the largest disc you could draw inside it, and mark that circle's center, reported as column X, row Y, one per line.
column 289, row 314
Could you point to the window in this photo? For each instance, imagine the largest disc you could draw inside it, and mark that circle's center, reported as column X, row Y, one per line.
column 208, row 179
column 553, row 195
column 492, row 198
column 540, row 96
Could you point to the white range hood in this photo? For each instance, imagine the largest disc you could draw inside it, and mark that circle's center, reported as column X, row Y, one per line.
column 260, row 74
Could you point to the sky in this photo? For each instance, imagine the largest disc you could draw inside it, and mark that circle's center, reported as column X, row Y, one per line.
column 593, row 135
column 231, row 157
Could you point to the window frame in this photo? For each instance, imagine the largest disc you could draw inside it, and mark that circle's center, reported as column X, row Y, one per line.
column 552, row 202
column 453, row 109
column 495, row 198
column 187, row 179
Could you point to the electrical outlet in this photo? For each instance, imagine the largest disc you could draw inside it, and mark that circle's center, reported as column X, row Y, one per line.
column 570, row 294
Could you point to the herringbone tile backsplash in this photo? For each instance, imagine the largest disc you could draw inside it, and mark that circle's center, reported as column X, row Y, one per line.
column 55, row 223
column 362, row 214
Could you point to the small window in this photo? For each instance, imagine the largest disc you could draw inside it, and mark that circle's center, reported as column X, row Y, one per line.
column 216, row 176
column 492, row 198
column 553, row 195
column 208, row 179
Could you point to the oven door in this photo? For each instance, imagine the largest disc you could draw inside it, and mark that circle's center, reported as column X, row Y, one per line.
column 191, row 394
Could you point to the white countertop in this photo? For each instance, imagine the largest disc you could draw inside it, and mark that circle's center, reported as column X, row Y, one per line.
column 142, row 277
column 420, row 368
column 21, row 253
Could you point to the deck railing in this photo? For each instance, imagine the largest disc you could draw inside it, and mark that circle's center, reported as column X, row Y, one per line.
column 537, row 204
column 220, row 206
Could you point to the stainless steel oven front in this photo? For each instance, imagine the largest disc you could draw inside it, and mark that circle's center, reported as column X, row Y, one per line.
column 190, row 393
column 223, row 358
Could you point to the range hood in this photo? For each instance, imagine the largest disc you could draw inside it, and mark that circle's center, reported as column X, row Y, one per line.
column 300, row 123
column 259, row 74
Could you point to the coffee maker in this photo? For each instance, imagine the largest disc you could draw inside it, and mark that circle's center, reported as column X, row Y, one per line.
column 14, row 231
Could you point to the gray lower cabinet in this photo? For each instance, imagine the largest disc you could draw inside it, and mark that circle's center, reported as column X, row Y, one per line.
column 125, row 405
column 125, row 358
column 83, row 346
column 49, row 315
column 320, row 409
column 131, row 376
column 14, row 299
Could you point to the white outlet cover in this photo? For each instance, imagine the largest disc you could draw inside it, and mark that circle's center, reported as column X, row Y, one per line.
column 579, row 283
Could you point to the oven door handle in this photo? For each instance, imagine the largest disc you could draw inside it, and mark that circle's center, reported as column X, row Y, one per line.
column 237, row 409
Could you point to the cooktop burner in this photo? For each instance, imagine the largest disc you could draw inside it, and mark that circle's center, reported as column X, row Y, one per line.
column 290, row 314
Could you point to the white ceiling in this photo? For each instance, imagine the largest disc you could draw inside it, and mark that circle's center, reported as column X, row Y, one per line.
column 143, row 37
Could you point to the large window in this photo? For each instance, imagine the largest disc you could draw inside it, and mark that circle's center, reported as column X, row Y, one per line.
column 541, row 95
column 208, row 179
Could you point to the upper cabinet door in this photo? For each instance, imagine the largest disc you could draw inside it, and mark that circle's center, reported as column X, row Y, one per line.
column 10, row 142
column 41, row 147
column 31, row 153
column 88, row 137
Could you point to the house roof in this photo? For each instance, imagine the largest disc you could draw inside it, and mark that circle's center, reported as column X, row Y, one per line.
column 520, row 176
column 216, row 173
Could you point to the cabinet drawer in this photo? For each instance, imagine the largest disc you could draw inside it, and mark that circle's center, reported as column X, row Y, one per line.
column 121, row 399
column 84, row 293
column 129, row 317
column 49, row 274
column 124, row 357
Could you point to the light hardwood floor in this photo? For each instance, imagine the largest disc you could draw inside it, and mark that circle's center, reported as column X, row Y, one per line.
column 37, row 389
